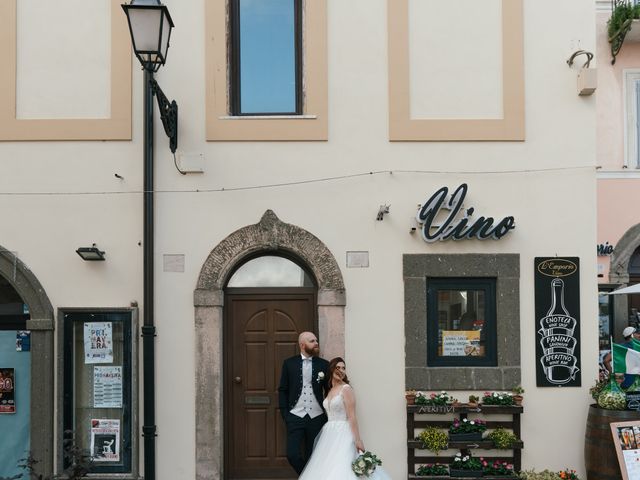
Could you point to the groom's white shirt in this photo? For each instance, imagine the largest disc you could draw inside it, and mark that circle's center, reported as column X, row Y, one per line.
column 307, row 403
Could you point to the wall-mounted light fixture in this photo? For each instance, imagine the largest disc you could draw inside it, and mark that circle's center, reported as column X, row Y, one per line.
column 90, row 254
column 587, row 77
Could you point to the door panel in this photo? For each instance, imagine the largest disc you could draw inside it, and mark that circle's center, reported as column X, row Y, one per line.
column 16, row 443
column 261, row 331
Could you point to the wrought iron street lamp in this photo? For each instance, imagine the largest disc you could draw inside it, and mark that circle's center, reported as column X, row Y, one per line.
column 150, row 26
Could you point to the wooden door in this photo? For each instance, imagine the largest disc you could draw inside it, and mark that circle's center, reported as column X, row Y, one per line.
column 261, row 331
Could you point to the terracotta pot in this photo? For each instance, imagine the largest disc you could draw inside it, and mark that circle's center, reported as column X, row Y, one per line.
column 518, row 399
column 411, row 399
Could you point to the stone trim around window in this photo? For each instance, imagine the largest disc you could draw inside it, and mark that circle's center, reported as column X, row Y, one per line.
column 509, row 128
column 505, row 268
column 117, row 127
column 311, row 125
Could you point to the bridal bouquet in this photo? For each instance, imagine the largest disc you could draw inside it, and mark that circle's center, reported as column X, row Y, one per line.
column 365, row 464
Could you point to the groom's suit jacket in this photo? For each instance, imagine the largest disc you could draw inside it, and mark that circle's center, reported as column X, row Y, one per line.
column 290, row 387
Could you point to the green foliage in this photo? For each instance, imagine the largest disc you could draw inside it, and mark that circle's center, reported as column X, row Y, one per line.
column 498, row 398
column 434, row 399
column 502, row 438
column 466, row 462
column 434, row 439
column 467, row 426
column 517, row 390
column 621, row 13
column 432, row 469
column 497, row 468
column 79, row 463
column 543, row 475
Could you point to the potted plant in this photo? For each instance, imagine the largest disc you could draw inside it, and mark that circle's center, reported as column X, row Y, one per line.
column 517, row 395
column 568, row 474
column 502, row 438
column 432, row 469
column 497, row 468
column 543, row 475
column 410, row 395
column 466, row 466
column 434, row 439
column 498, row 398
column 466, row 430
column 620, row 23
column 473, row 401
column 434, row 399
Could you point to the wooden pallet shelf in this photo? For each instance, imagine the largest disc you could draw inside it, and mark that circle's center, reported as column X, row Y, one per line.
column 414, row 459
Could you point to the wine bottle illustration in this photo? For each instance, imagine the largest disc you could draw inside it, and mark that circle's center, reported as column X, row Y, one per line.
column 559, row 367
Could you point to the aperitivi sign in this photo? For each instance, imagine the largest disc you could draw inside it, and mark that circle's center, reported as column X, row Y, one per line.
column 444, row 217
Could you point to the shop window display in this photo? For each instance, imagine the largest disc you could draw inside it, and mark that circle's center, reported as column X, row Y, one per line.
column 98, row 393
column 461, row 322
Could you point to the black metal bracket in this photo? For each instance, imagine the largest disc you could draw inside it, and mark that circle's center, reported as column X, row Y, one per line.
column 168, row 114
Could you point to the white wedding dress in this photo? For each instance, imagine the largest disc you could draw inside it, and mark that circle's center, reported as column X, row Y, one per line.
column 335, row 447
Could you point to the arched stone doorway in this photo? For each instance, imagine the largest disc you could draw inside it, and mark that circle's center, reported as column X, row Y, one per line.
column 40, row 323
column 269, row 235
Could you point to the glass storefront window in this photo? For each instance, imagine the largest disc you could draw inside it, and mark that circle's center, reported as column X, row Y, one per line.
column 98, row 394
column 461, row 322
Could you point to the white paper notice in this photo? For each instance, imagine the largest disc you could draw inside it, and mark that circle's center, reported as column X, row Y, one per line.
column 107, row 387
column 98, row 342
column 105, row 440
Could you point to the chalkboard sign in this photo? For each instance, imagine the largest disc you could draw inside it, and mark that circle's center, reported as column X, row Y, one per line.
column 557, row 324
column 633, row 401
column 626, row 437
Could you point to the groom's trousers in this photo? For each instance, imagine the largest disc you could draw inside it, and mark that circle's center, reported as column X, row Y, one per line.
column 301, row 433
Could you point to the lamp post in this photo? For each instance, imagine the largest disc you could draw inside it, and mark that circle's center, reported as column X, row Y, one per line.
column 150, row 26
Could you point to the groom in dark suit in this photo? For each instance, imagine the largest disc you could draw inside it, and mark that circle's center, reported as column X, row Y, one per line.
column 303, row 383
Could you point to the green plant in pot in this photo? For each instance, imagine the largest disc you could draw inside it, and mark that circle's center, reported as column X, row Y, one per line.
column 502, row 438
column 466, row 430
column 434, row 439
column 474, row 400
column 619, row 24
column 466, row 466
column 432, row 469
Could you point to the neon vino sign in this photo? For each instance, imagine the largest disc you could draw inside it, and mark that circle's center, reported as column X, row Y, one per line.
column 458, row 223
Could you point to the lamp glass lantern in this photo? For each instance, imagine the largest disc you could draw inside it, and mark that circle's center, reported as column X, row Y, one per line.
column 150, row 26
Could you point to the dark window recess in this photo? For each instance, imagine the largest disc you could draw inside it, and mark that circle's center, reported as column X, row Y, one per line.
column 461, row 322
column 266, row 57
column 89, row 400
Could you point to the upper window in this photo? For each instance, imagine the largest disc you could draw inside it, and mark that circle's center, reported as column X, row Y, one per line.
column 266, row 70
column 266, row 66
column 461, row 322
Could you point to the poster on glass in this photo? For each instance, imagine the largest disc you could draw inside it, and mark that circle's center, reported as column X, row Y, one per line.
column 7, row 390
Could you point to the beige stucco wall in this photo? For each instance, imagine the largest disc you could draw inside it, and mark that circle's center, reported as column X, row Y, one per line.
column 548, row 185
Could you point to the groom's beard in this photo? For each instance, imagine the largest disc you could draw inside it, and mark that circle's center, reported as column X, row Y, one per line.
column 312, row 352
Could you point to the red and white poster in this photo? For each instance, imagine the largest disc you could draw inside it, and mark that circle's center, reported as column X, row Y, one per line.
column 105, row 440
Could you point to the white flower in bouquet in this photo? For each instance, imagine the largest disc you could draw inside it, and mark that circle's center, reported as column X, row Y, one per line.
column 365, row 464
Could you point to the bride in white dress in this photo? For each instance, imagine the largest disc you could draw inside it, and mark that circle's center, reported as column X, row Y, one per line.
column 338, row 443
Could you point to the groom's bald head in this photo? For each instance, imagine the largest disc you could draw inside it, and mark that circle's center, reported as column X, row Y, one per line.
column 308, row 344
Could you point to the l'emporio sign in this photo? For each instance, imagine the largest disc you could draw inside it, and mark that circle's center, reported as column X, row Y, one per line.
column 445, row 218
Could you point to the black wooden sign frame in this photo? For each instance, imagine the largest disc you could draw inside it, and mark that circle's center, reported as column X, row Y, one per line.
column 557, row 323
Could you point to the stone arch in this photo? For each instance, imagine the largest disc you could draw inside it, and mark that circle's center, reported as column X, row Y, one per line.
column 268, row 235
column 619, row 263
column 42, row 373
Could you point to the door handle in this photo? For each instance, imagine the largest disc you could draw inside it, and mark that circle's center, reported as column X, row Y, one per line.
column 237, row 380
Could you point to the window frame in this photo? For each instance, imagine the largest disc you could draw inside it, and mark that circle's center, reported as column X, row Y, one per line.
column 488, row 285
column 66, row 390
column 235, row 52
column 505, row 268
column 312, row 122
